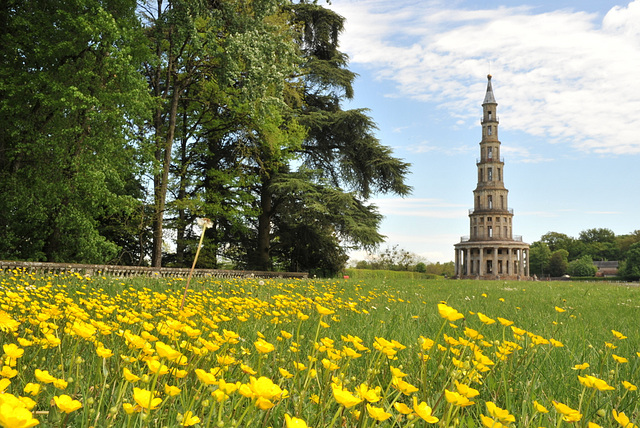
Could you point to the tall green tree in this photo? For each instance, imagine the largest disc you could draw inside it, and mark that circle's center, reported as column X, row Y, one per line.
column 540, row 257
column 582, row 267
column 631, row 269
column 599, row 244
column 69, row 92
column 213, row 57
column 340, row 146
column 559, row 263
column 624, row 242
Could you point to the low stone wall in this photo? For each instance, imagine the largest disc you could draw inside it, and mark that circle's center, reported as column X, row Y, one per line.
column 129, row 271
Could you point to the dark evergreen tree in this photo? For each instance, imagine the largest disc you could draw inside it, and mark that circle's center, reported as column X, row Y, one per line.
column 340, row 147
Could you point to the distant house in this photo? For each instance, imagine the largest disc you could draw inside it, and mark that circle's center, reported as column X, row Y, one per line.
column 606, row 269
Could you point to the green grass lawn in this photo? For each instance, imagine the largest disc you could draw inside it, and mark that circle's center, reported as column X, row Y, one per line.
column 331, row 353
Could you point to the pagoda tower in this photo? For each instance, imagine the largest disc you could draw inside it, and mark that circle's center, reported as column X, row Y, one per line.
column 491, row 251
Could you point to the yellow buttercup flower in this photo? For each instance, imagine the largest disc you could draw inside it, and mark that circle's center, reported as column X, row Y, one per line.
column 166, row 351
column 157, row 367
column 372, row 395
column 8, row 372
column 264, row 403
column 396, row 372
column 540, row 408
column 402, row 408
column 12, row 351
column 350, row 352
column 502, row 414
column 618, row 335
column 248, row 370
column 581, row 366
column 104, row 352
column 377, row 413
column 264, row 387
column 206, row 377
column 457, row 399
column 188, row 419
column 263, row 346
column 286, row 334
column 405, row 387
column 32, row 388
column 594, row 382
column 83, row 329
column 505, row 322
column 629, row 386
column 285, row 373
column 225, row 360
column 424, row 411
column 130, row 408
column 623, row 420
column 344, row 397
column 485, row 319
column 60, row 383
column 491, row 423
column 619, row 359
column 28, row 402
column 329, row 365
column 129, row 377
column 146, row 399
column 324, row 311
column 293, row 422
column 66, row 403
column 219, row 395
column 449, row 313
column 466, row 390
column 568, row 414
column 13, row 413
column 171, row 390
column 556, row 343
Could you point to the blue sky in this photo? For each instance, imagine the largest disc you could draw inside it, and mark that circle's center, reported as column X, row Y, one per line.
column 566, row 76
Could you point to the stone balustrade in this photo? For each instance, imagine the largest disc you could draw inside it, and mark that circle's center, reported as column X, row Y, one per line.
column 130, row 271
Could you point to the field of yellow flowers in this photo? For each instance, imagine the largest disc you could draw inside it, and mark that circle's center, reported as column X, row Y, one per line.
column 106, row 352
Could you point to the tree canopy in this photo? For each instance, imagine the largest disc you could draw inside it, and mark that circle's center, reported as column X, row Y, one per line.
column 126, row 121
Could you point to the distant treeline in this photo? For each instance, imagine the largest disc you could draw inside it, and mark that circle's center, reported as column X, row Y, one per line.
column 400, row 260
column 557, row 254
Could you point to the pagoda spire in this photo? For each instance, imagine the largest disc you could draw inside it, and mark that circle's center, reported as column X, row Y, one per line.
column 489, row 98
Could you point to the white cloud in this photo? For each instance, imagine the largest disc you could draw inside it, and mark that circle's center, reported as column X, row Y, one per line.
column 427, row 147
column 563, row 75
column 419, row 207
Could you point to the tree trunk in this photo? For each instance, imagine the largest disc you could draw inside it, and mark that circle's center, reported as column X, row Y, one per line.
column 161, row 180
column 262, row 259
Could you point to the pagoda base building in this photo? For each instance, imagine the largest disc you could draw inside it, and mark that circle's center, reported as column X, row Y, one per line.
column 491, row 251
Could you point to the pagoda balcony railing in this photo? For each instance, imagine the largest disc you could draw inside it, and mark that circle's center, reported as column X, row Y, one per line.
column 491, row 119
column 479, row 160
column 516, row 238
column 490, row 210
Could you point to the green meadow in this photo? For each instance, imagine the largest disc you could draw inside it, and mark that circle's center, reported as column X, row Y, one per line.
column 377, row 352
